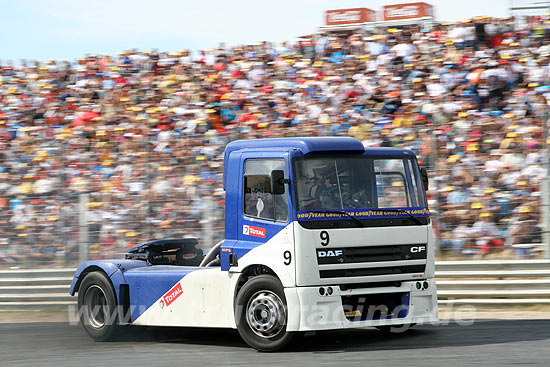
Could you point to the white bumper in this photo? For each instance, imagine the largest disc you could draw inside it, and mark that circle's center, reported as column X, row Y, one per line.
column 308, row 310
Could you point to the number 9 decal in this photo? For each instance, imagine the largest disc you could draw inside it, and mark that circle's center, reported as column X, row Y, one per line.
column 325, row 238
column 288, row 257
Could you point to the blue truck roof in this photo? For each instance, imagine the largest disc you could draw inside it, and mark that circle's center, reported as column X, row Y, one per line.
column 312, row 144
column 306, row 145
column 309, row 145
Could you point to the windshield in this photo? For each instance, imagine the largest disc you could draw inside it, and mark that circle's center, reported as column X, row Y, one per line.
column 352, row 183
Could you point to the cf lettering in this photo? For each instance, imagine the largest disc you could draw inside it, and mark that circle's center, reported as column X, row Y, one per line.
column 417, row 249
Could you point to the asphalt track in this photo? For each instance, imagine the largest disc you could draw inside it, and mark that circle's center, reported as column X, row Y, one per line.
column 483, row 343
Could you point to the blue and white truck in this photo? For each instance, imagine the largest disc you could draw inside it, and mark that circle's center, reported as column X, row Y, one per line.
column 320, row 234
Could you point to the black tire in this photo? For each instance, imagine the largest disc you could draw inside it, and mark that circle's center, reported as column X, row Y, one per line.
column 395, row 329
column 97, row 307
column 261, row 314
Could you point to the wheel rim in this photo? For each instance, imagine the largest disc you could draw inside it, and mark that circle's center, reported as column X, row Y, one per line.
column 265, row 314
column 97, row 309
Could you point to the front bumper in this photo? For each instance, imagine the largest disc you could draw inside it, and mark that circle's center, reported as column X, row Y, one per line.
column 309, row 310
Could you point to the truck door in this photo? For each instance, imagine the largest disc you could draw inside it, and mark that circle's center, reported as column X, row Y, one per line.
column 261, row 214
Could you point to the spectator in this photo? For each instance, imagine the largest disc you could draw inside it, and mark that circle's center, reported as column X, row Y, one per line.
column 486, row 233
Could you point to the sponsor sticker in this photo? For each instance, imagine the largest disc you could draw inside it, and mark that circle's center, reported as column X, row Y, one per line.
column 379, row 213
column 171, row 296
column 254, row 231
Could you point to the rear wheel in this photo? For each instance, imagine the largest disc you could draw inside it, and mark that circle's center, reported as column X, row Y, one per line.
column 261, row 314
column 97, row 307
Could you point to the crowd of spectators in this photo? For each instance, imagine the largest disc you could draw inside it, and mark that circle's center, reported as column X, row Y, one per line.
column 143, row 132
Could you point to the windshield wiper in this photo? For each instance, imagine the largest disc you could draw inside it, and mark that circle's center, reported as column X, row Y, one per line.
column 339, row 212
column 397, row 210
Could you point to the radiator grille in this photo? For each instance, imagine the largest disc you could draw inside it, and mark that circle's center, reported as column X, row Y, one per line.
column 370, row 255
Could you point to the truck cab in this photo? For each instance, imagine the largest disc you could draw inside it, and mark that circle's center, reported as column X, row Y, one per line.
column 320, row 234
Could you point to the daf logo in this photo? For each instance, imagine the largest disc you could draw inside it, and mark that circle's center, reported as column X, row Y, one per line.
column 330, row 253
column 416, row 249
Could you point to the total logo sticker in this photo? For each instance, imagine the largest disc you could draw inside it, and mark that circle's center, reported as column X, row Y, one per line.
column 254, row 231
column 170, row 296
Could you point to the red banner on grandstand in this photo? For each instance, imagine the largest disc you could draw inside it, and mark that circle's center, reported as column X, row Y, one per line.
column 349, row 16
column 408, row 11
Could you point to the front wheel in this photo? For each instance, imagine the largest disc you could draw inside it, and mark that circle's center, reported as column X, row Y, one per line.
column 97, row 307
column 261, row 314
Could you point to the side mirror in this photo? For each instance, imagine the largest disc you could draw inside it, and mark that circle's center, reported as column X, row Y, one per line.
column 278, row 182
column 424, row 175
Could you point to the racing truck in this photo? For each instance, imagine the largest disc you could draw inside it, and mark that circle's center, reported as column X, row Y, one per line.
column 321, row 233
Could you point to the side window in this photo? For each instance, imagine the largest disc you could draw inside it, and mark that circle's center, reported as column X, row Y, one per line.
column 391, row 185
column 417, row 187
column 258, row 202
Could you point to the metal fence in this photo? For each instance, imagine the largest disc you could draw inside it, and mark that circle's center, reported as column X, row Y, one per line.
column 490, row 194
column 94, row 194
column 66, row 200
column 493, row 284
